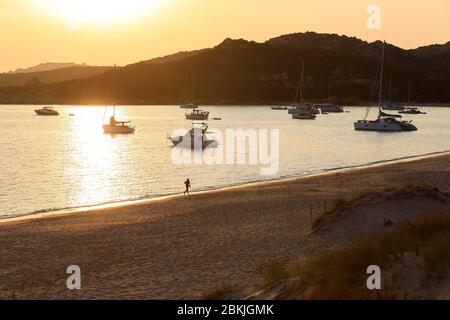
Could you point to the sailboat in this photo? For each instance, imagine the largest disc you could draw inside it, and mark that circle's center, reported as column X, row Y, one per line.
column 299, row 110
column 383, row 122
column 411, row 110
column 393, row 106
column 114, row 126
column 185, row 104
column 329, row 107
column 195, row 114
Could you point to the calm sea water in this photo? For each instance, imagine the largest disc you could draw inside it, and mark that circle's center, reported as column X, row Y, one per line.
column 65, row 162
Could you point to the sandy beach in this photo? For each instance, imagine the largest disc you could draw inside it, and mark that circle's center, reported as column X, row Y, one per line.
column 183, row 247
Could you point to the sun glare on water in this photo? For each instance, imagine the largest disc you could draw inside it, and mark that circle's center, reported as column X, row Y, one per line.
column 99, row 12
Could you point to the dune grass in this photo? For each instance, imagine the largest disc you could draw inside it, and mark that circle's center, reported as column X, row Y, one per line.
column 340, row 273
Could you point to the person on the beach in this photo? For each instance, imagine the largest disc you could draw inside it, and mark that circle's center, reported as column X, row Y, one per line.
column 187, row 183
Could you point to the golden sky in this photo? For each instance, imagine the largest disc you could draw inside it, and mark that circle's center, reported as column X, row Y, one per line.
column 104, row 32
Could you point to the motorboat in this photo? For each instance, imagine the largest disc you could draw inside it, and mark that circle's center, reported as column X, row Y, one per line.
column 197, row 115
column 384, row 122
column 194, row 138
column 46, row 111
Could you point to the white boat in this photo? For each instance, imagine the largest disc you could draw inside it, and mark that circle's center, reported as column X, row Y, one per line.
column 194, row 138
column 114, row 126
column 46, row 111
column 384, row 122
column 279, row 108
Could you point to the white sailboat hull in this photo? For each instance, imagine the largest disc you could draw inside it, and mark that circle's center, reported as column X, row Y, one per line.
column 118, row 129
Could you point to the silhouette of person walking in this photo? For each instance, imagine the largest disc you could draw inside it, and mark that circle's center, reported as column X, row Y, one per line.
column 187, row 183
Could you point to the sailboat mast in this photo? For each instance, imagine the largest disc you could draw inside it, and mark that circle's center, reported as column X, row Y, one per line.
column 329, row 89
column 381, row 80
column 409, row 92
column 302, row 81
column 114, row 91
column 193, row 87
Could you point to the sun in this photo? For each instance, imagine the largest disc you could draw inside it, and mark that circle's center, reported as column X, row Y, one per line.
column 99, row 12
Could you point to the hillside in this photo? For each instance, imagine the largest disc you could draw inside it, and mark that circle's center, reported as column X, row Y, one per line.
column 50, row 76
column 246, row 72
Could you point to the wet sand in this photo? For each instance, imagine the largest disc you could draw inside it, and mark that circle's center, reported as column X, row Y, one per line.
column 183, row 247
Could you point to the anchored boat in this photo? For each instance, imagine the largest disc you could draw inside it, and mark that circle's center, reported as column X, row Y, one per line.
column 194, row 138
column 384, row 122
column 46, row 111
column 114, row 126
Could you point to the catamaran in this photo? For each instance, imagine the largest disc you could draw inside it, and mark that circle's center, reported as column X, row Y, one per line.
column 384, row 122
column 114, row 126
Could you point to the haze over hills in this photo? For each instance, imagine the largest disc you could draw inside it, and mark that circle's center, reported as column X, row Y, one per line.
column 247, row 72
column 47, row 67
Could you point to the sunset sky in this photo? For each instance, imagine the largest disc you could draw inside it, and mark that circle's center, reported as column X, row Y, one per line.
column 104, row 32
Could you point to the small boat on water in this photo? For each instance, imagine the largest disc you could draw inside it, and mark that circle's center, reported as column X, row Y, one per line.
column 384, row 122
column 194, row 138
column 114, row 126
column 411, row 110
column 304, row 114
column 393, row 106
column 46, row 111
column 189, row 106
column 279, row 108
column 329, row 108
column 197, row 115
column 300, row 110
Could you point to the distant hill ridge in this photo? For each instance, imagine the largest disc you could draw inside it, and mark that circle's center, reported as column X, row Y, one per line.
column 47, row 67
column 248, row 72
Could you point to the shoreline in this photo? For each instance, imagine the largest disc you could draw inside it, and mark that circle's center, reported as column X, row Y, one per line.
column 44, row 213
column 188, row 246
